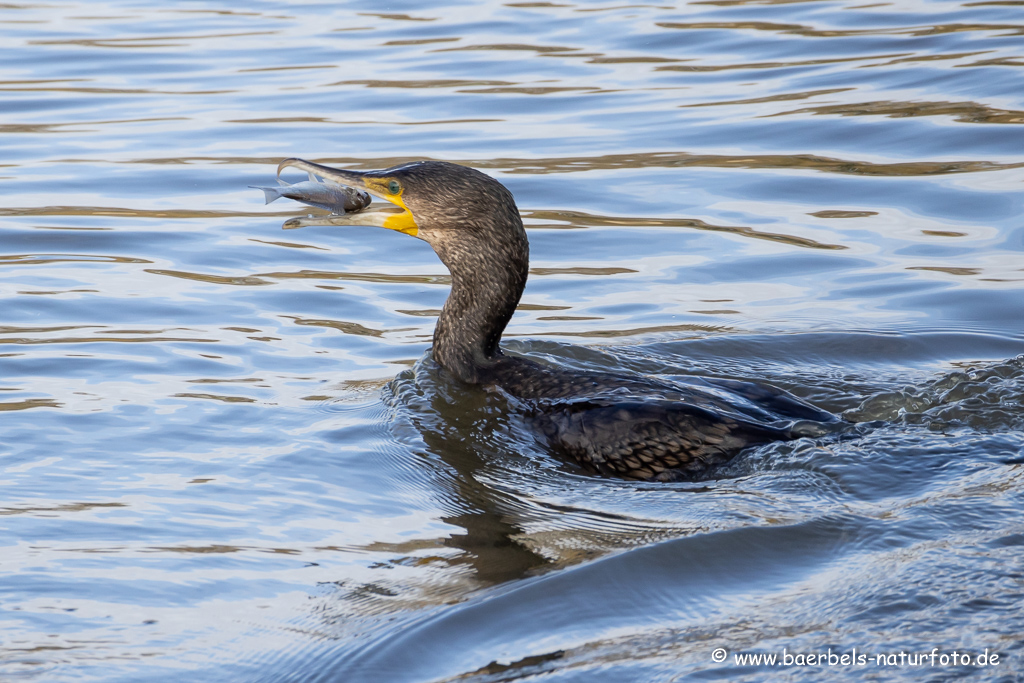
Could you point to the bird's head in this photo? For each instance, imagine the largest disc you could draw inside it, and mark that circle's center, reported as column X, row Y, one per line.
column 436, row 200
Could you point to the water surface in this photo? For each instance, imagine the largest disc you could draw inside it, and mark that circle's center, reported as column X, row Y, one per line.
column 224, row 454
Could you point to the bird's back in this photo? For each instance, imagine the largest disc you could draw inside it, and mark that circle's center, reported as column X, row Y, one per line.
column 642, row 428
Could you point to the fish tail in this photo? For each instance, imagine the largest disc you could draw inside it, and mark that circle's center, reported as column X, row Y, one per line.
column 269, row 193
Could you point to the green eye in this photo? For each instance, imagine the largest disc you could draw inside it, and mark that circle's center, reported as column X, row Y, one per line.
column 394, row 187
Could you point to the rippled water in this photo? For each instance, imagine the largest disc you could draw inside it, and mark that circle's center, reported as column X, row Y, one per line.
column 224, row 455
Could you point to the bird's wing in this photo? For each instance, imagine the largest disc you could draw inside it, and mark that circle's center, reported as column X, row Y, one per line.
column 649, row 440
column 774, row 400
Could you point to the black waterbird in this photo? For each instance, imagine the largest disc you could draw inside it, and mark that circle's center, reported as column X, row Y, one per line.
column 616, row 424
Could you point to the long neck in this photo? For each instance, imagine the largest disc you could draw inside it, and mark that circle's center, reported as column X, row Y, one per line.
column 488, row 276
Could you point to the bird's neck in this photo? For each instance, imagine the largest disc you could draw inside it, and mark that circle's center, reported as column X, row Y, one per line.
column 487, row 282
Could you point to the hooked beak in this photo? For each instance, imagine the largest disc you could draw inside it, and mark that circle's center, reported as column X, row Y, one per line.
column 401, row 220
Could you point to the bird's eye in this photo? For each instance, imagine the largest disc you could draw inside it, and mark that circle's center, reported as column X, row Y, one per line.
column 394, row 187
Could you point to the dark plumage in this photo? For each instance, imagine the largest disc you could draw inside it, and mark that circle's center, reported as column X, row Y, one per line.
column 621, row 425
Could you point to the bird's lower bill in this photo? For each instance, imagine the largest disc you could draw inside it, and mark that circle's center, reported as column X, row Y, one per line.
column 400, row 220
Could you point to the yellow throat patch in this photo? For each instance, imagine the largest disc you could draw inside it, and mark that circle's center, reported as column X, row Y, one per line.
column 402, row 222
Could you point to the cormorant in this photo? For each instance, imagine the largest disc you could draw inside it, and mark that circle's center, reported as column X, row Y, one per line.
column 615, row 424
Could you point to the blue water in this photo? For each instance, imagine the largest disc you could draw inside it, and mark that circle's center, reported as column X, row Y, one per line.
column 225, row 454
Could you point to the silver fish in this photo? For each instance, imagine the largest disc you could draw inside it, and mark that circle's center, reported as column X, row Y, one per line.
column 338, row 199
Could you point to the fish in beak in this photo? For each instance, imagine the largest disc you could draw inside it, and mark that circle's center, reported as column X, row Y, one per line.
column 380, row 184
column 338, row 199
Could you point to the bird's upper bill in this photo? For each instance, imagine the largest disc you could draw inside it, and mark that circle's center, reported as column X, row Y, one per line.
column 386, row 184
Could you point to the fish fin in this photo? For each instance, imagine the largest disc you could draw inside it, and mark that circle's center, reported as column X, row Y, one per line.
column 313, row 178
column 269, row 193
